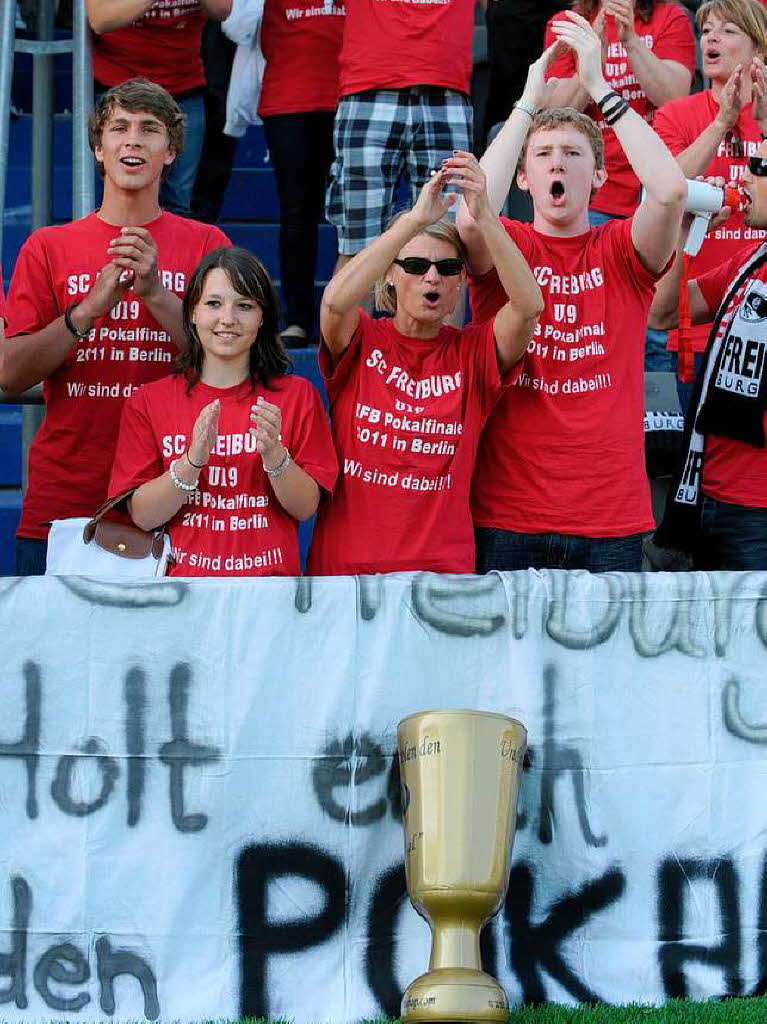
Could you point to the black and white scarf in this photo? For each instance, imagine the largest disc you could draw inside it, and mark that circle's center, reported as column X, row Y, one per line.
column 729, row 397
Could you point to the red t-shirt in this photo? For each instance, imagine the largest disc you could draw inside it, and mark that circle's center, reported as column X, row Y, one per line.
column 563, row 451
column 391, row 44
column 669, row 35
column 733, row 471
column 406, row 414
column 2, row 295
column 679, row 123
column 71, row 454
column 233, row 524
column 301, row 41
column 163, row 45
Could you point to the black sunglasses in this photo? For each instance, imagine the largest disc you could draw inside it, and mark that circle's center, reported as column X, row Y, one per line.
column 419, row 265
column 758, row 166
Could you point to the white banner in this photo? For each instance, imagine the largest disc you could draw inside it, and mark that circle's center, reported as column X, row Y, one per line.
column 200, row 801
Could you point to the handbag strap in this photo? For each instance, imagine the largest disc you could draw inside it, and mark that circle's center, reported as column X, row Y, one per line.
column 90, row 527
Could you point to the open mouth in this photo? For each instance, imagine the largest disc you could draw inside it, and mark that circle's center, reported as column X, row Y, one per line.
column 132, row 161
column 745, row 200
column 431, row 297
column 557, row 192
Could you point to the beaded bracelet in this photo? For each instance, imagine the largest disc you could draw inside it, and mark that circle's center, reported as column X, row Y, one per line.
column 178, row 482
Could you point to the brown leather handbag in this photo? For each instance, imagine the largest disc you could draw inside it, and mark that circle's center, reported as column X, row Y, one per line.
column 126, row 540
column 101, row 548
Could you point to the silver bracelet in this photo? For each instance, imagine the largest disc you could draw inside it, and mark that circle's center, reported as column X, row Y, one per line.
column 521, row 106
column 178, row 482
column 280, row 468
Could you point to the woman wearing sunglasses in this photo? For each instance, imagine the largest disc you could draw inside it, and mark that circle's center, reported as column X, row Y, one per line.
column 410, row 395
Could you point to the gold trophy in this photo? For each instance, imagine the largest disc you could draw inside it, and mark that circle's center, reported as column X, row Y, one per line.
column 460, row 773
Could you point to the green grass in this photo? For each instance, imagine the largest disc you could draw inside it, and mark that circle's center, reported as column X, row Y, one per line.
column 728, row 1011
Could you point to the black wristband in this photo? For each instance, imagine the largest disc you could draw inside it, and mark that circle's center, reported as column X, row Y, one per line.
column 71, row 327
column 608, row 96
column 616, row 113
column 193, row 463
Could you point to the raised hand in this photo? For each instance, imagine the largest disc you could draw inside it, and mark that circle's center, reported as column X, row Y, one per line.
column 134, row 250
column 464, row 171
column 758, row 76
column 575, row 32
column 204, row 434
column 623, row 12
column 598, row 24
column 431, row 205
column 267, row 428
column 732, row 97
column 537, row 89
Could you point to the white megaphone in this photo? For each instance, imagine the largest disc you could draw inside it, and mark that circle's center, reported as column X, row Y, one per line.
column 703, row 201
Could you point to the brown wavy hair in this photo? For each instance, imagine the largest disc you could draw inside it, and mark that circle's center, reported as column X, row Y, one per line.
column 249, row 277
column 590, row 8
column 135, row 95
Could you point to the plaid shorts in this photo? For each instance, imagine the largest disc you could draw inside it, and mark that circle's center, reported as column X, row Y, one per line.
column 378, row 134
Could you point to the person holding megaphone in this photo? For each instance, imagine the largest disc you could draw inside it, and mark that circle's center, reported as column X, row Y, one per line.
column 717, row 509
column 714, row 133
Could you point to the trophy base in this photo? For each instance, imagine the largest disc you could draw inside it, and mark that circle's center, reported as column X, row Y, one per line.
column 454, row 994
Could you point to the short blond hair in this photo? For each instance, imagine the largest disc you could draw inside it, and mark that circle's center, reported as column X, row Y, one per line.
column 384, row 295
column 749, row 16
column 568, row 117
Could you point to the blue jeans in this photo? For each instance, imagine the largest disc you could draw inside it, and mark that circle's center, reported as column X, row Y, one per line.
column 508, row 550
column 177, row 185
column 30, row 556
column 733, row 536
column 657, row 358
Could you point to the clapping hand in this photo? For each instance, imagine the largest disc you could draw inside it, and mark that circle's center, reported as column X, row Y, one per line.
column 537, row 89
column 431, row 205
column 204, row 434
column 135, row 252
column 575, row 31
column 267, row 427
column 734, row 95
column 465, row 172
column 109, row 288
column 758, row 77
column 623, row 12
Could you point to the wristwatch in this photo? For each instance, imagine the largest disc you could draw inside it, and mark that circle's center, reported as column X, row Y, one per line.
column 71, row 327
